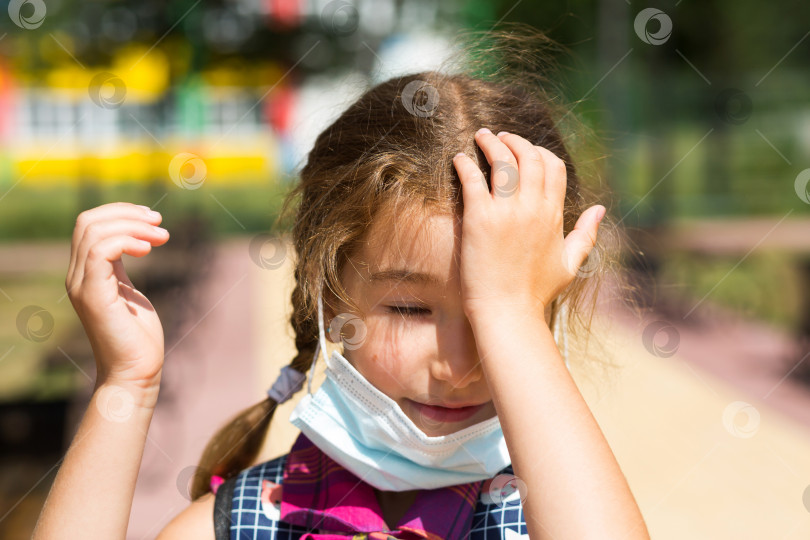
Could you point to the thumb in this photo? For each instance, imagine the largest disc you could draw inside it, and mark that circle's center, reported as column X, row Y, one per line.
column 580, row 241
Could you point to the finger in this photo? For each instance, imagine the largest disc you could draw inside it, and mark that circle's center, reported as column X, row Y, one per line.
column 580, row 241
column 504, row 177
column 99, row 230
column 530, row 164
column 99, row 264
column 556, row 177
column 474, row 189
column 105, row 211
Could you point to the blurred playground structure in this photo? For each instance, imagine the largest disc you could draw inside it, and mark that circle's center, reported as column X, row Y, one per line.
column 53, row 134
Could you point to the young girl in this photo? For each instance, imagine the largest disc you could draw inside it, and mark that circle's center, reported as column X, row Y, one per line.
column 440, row 236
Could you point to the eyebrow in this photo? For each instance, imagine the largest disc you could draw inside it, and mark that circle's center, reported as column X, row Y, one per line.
column 405, row 276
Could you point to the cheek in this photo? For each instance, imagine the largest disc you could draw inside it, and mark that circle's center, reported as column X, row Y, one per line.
column 392, row 361
column 389, row 363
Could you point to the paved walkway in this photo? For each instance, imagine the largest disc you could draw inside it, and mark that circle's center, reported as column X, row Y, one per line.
column 705, row 454
column 713, row 443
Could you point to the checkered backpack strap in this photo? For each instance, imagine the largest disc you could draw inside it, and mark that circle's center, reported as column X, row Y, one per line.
column 498, row 513
column 222, row 509
column 242, row 508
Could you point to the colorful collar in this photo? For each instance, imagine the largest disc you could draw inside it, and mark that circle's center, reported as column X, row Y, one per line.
column 319, row 493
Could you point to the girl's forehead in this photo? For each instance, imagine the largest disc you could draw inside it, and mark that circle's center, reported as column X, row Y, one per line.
column 426, row 243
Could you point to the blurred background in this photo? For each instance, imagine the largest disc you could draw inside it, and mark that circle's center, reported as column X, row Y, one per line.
column 204, row 111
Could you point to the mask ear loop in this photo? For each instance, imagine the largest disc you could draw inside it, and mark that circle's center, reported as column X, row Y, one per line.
column 561, row 327
column 312, row 368
column 564, row 328
column 318, row 349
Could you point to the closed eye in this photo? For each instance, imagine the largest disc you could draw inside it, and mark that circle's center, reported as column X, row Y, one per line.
column 408, row 311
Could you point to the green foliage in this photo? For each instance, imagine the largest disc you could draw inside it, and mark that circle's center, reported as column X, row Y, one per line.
column 23, row 370
column 764, row 286
column 51, row 212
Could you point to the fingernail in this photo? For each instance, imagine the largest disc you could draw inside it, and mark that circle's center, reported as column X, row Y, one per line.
column 484, row 130
column 601, row 213
column 459, row 154
column 502, row 133
column 160, row 230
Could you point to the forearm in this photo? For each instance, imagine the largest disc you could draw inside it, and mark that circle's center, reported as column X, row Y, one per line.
column 91, row 496
column 575, row 487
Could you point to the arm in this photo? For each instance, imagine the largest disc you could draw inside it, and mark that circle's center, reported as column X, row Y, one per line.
column 515, row 260
column 574, row 486
column 92, row 493
column 91, row 496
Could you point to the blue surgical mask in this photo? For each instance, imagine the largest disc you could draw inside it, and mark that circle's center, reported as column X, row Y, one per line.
column 367, row 432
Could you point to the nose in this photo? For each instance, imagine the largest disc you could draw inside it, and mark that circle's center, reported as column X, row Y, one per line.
column 457, row 360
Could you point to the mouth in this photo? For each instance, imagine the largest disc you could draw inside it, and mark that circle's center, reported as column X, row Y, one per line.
column 448, row 413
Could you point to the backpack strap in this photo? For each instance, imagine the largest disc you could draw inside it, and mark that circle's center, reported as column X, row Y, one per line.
column 222, row 509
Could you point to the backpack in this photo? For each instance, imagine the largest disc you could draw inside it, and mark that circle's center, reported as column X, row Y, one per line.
column 240, row 513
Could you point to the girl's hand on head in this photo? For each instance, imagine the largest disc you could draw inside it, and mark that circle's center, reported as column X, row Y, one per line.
column 121, row 324
column 513, row 250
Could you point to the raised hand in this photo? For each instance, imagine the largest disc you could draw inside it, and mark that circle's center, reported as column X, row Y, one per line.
column 121, row 324
column 513, row 249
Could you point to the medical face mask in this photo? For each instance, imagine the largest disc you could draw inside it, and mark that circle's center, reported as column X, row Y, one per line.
column 366, row 432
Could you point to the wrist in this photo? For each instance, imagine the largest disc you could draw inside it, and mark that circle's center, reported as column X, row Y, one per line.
column 119, row 396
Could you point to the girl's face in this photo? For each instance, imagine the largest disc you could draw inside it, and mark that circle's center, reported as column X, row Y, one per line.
column 419, row 346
